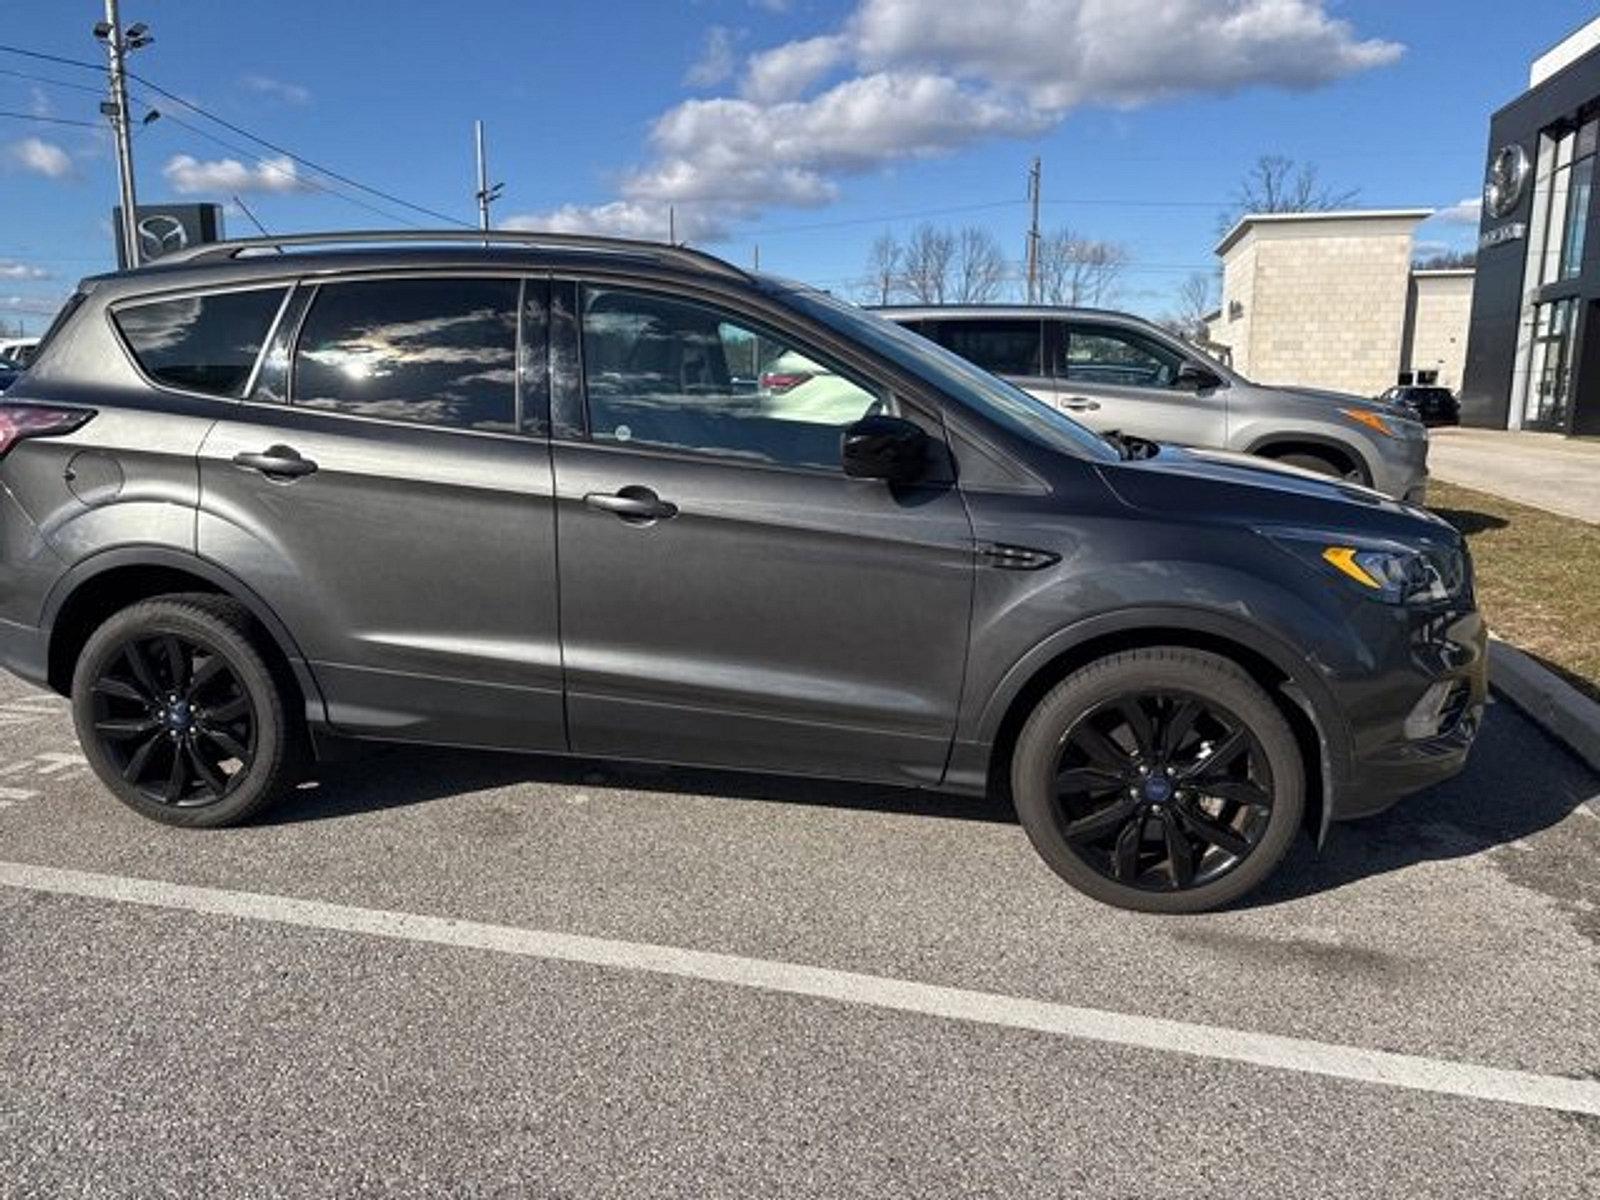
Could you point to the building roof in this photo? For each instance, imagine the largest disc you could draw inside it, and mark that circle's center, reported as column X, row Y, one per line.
column 1443, row 272
column 1244, row 223
column 1564, row 53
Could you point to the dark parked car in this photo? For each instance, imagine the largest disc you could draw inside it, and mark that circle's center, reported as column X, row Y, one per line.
column 526, row 496
column 1431, row 405
column 8, row 374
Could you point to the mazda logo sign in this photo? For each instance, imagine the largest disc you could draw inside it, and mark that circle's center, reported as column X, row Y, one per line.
column 1507, row 181
column 161, row 234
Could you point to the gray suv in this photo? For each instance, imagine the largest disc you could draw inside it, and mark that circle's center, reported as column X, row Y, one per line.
column 570, row 495
column 1116, row 372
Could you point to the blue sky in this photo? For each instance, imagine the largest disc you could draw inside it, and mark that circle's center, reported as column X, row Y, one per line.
column 856, row 117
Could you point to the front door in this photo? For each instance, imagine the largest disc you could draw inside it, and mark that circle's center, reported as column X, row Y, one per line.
column 390, row 499
column 1114, row 377
column 728, row 596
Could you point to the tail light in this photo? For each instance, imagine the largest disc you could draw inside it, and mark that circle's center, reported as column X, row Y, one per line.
column 783, row 381
column 21, row 421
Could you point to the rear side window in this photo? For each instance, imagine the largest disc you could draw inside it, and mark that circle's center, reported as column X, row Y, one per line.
column 203, row 343
column 1001, row 347
column 434, row 351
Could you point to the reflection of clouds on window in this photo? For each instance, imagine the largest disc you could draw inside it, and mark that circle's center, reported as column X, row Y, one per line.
column 438, row 352
column 203, row 343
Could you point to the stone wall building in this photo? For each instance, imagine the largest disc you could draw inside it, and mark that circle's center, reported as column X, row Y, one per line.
column 1330, row 300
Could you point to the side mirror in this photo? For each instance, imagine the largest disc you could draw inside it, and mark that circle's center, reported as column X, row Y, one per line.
column 1196, row 378
column 892, row 449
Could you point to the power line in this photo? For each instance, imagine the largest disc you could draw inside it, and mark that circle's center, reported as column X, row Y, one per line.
column 60, row 83
column 22, row 116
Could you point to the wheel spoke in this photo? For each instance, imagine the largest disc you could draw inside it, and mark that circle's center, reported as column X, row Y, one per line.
column 1176, row 726
column 1125, row 860
column 1097, row 824
column 1101, row 750
column 122, row 730
column 221, row 737
column 140, row 759
column 1213, row 764
column 1229, row 840
column 177, row 663
column 1238, row 791
column 229, row 710
column 214, row 780
column 1087, row 779
column 140, row 666
column 1180, row 855
column 214, row 667
column 1144, row 734
column 121, row 689
column 178, row 776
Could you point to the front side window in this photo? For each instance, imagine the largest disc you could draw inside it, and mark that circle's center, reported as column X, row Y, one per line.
column 433, row 351
column 1121, row 357
column 998, row 346
column 206, row 343
column 684, row 376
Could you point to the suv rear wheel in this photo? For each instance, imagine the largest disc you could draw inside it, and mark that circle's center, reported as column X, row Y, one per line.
column 180, row 715
column 1163, row 780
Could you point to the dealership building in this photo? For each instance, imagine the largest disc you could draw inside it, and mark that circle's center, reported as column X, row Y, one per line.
column 1533, row 357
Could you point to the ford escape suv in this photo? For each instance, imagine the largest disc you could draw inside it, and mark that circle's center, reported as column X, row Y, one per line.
column 566, row 495
column 1113, row 371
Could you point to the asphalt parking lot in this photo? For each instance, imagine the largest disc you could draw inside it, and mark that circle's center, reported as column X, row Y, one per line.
column 439, row 973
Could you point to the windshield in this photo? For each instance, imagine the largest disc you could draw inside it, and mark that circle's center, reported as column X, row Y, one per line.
column 1005, row 405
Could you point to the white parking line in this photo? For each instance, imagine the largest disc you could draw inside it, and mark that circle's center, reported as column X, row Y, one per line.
column 1416, row 1072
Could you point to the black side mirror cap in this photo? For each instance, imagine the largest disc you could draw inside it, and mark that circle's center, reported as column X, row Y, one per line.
column 892, row 449
column 1197, row 378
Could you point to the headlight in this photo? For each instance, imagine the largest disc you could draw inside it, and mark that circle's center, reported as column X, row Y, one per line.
column 1392, row 572
column 1401, row 428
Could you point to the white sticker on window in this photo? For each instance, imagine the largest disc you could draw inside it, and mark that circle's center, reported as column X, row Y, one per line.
column 622, row 433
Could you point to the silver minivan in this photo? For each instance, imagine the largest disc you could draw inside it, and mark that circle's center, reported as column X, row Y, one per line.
column 1119, row 373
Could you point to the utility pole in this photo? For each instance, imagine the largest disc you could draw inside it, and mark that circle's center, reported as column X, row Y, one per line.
column 117, row 46
column 486, row 194
column 672, row 225
column 1033, row 232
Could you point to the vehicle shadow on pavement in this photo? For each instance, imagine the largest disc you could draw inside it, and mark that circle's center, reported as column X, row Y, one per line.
column 1517, row 783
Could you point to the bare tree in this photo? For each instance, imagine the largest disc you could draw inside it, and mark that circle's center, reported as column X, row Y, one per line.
column 1446, row 260
column 1277, row 183
column 926, row 263
column 980, row 266
column 1075, row 270
column 1194, row 304
column 883, row 270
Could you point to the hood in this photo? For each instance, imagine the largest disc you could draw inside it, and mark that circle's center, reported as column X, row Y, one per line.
column 1347, row 400
column 1224, row 486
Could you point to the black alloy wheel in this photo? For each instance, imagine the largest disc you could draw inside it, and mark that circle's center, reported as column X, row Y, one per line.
column 1163, row 779
column 175, row 719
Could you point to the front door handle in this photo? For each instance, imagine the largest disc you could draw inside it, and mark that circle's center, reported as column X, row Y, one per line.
column 1080, row 404
column 633, row 504
column 276, row 462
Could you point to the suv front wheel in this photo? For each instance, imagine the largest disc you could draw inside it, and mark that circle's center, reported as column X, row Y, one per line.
column 1164, row 780
column 180, row 715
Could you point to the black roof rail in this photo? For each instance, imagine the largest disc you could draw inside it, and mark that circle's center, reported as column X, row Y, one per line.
column 680, row 256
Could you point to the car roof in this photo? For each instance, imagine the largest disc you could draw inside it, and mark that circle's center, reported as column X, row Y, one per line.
column 907, row 312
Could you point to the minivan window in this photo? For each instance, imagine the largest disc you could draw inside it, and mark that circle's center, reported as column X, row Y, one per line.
column 1004, row 347
column 681, row 375
column 1107, row 354
column 433, row 351
column 207, row 343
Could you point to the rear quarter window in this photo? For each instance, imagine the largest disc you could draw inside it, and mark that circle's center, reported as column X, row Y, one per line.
column 205, row 343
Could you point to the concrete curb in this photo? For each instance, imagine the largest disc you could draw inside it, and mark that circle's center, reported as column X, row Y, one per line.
column 1565, row 713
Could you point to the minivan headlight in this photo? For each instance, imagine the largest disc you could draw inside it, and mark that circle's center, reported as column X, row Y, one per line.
column 1392, row 572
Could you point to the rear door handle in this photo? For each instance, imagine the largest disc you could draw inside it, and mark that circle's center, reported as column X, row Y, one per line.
column 636, row 505
column 277, row 462
column 1081, row 404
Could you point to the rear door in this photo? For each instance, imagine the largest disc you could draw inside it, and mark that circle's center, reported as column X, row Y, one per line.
column 1112, row 376
column 728, row 596
column 387, row 490
column 1010, row 347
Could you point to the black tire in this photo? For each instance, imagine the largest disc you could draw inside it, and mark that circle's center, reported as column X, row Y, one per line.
column 1318, row 463
column 1163, row 684
column 121, row 690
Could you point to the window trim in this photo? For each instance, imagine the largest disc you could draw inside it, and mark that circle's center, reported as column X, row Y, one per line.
column 144, row 300
column 893, row 403
column 313, row 287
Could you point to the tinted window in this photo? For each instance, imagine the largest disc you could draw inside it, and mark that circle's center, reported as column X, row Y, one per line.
column 1003, row 347
column 1106, row 354
column 436, row 351
column 201, row 343
column 664, row 372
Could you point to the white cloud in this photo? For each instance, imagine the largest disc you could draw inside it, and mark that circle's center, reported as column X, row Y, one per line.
column 929, row 77
column 716, row 60
column 649, row 220
column 1463, row 212
column 38, row 305
column 785, row 72
column 41, row 158
column 277, row 89
column 772, row 6
column 10, row 268
column 189, row 175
